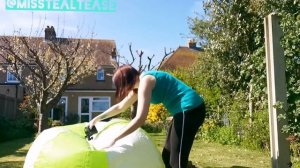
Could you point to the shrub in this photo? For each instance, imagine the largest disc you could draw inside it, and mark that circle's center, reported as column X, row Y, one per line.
column 208, row 130
column 14, row 129
column 153, row 127
column 253, row 135
column 29, row 114
column 25, row 125
column 71, row 118
column 56, row 123
column 126, row 114
column 256, row 135
column 157, row 112
column 227, row 136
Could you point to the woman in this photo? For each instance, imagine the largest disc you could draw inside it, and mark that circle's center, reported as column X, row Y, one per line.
column 184, row 104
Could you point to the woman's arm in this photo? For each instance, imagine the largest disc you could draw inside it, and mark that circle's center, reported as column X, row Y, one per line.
column 146, row 85
column 115, row 109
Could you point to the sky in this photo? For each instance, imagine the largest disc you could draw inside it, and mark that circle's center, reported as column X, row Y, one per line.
column 149, row 25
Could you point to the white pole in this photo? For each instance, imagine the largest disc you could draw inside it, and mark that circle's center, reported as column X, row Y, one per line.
column 280, row 153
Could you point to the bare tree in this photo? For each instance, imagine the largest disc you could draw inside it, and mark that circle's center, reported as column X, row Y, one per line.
column 46, row 68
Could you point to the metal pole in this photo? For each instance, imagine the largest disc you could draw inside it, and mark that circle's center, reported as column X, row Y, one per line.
column 275, row 62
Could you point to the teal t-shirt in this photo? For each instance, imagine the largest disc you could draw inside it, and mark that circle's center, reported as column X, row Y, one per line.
column 173, row 93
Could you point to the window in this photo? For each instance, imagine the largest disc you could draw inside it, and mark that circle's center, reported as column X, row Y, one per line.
column 100, row 104
column 11, row 77
column 89, row 105
column 100, row 74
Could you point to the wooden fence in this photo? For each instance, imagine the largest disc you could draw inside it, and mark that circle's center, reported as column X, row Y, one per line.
column 8, row 107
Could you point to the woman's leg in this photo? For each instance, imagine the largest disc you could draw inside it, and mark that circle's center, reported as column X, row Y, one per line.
column 166, row 149
column 181, row 136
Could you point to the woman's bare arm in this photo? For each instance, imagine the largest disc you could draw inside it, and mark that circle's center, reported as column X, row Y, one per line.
column 144, row 97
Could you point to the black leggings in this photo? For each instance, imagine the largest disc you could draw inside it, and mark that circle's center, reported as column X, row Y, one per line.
column 181, row 135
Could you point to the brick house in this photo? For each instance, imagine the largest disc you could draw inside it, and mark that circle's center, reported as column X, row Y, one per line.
column 86, row 99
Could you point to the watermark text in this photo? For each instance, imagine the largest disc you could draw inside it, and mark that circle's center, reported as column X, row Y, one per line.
column 62, row 5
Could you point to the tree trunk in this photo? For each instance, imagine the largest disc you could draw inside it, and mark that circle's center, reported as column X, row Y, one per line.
column 43, row 119
column 250, row 105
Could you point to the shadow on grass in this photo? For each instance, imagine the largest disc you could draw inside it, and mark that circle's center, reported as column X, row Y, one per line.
column 12, row 164
column 12, row 147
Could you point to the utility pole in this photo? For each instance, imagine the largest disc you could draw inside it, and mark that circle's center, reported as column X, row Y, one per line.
column 280, row 153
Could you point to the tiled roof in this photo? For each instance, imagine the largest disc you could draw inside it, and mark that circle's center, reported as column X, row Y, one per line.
column 182, row 57
column 103, row 48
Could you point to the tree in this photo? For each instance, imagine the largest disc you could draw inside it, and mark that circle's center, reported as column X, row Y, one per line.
column 46, row 68
column 232, row 34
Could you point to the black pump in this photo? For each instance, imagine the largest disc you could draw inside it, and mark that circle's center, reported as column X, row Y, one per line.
column 89, row 132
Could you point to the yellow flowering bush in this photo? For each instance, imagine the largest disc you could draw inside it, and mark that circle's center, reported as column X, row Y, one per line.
column 157, row 112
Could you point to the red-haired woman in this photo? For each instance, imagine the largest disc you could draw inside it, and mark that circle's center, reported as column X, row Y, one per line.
column 184, row 104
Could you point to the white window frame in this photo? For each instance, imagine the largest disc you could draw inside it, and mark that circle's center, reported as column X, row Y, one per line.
column 91, row 100
column 102, row 100
column 102, row 76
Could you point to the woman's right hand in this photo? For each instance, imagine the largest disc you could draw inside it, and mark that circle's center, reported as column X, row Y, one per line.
column 92, row 123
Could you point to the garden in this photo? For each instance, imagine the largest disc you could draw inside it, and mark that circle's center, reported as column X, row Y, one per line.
column 230, row 75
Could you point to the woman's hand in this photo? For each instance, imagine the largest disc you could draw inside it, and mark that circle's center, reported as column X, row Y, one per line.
column 92, row 123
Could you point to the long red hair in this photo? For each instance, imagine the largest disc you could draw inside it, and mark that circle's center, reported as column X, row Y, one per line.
column 124, row 80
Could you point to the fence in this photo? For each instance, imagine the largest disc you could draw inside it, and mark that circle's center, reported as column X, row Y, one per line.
column 8, row 107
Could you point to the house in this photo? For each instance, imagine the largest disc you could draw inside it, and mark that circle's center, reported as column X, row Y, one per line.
column 182, row 57
column 95, row 93
column 11, row 94
column 91, row 96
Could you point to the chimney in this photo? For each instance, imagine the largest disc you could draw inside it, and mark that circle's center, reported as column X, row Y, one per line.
column 192, row 44
column 50, row 33
column 114, row 53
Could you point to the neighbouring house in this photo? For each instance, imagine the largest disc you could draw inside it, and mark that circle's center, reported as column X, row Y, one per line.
column 183, row 57
column 11, row 94
column 88, row 98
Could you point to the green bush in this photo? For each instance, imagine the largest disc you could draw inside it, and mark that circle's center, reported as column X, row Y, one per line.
column 126, row 114
column 156, row 127
column 208, row 130
column 256, row 134
column 227, row 136
column 56, row 123
column 213, row 132
column 14, row 129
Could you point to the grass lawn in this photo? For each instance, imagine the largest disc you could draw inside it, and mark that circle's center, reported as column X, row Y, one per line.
column 213, row 155
column 12, row 153
column 203, row 155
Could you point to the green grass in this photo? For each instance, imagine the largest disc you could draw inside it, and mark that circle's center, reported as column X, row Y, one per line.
column 12, row 153
column 203, row 155
column 213, row 155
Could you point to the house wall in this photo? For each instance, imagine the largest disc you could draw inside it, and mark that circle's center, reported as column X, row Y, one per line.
column 90, row 87
column 10, row 91
column 11, row 94
column 91, row 82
